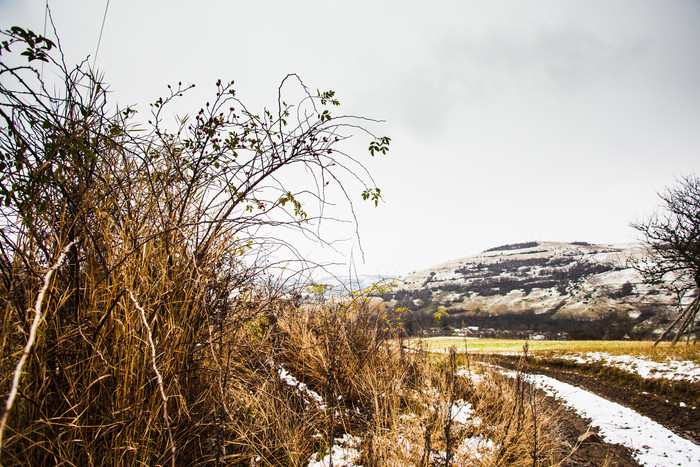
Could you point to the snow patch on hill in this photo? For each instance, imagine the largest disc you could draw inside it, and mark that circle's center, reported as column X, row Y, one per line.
column 576, row 281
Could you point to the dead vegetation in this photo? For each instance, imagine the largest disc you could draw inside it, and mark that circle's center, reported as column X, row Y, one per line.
column 326, row 371
column 144, row 323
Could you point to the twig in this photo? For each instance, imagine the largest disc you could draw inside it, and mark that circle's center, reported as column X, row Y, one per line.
column 38, row 317
column 158, row 375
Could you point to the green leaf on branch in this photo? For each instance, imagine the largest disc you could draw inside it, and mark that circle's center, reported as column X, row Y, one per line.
column 327, row 96
column 37, row 46
column 379, row 145
column 298, row 209
column 372, row 194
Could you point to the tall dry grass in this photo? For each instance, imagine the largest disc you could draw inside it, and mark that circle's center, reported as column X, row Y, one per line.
column 131, row 361
column 162, row 338
column 404, row 402
column 227, row 403
column 91, row 393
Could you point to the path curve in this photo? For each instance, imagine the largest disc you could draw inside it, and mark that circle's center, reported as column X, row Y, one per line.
column 651, row 443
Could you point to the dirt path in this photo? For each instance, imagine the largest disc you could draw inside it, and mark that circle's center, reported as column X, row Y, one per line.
column 586, row 447
column 684, row 421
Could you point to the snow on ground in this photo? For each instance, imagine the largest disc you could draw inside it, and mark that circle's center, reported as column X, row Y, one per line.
column 302, row 388
column 474, row 451
column 651, row 443
column 470, row 375
column 671, row 369
column 462, row 413
column 674, row 370
column 470, row 451
column 344, row 453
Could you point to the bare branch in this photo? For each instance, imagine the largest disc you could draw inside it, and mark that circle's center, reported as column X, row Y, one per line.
column 672, row 241
column 38, row 318
column 166, row 418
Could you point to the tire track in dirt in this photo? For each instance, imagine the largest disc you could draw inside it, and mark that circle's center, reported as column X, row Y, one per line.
column 586, row 448
column 684, row 421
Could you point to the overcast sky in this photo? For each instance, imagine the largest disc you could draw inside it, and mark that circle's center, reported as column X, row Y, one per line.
column 510, row 121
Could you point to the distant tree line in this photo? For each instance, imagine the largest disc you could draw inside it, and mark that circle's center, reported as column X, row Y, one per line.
column 514, row 246
column 407, row 298
column 546, row 278
column 512, row 265
column 612, row 326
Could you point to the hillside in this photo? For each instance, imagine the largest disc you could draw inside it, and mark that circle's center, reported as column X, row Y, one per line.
column 580, row 289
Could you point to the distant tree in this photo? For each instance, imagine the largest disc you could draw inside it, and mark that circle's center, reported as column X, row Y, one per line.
column 626, row 289
column 672, row 240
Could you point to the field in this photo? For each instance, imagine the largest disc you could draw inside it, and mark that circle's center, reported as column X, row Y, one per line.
column 646, row 349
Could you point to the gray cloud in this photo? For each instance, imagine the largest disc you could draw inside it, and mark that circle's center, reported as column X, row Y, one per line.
column 504, row 114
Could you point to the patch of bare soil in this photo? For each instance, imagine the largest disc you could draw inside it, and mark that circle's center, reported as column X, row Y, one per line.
column 636, row 395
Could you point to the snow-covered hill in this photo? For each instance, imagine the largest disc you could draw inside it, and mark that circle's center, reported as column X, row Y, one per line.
column 543, row 282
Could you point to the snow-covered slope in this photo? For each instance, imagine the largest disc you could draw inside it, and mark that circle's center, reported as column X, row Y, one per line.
column 564, row 281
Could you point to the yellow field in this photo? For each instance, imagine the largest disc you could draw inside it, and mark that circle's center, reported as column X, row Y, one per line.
column 661, row 352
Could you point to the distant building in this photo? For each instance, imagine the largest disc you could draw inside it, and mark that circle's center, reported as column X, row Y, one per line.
column 467, row 331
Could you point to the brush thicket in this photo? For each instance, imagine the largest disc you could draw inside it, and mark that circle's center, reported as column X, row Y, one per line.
column 162, row 337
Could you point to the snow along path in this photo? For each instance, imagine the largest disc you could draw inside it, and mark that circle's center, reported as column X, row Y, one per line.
column 651, row 443
column 671, row 369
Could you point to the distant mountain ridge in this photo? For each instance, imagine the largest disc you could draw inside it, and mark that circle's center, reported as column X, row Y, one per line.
column 585, row 289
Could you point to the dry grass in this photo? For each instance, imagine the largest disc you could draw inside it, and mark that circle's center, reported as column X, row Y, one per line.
column 162, row 336
column 234, row 409
column 227, row 404
column 659, row 353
